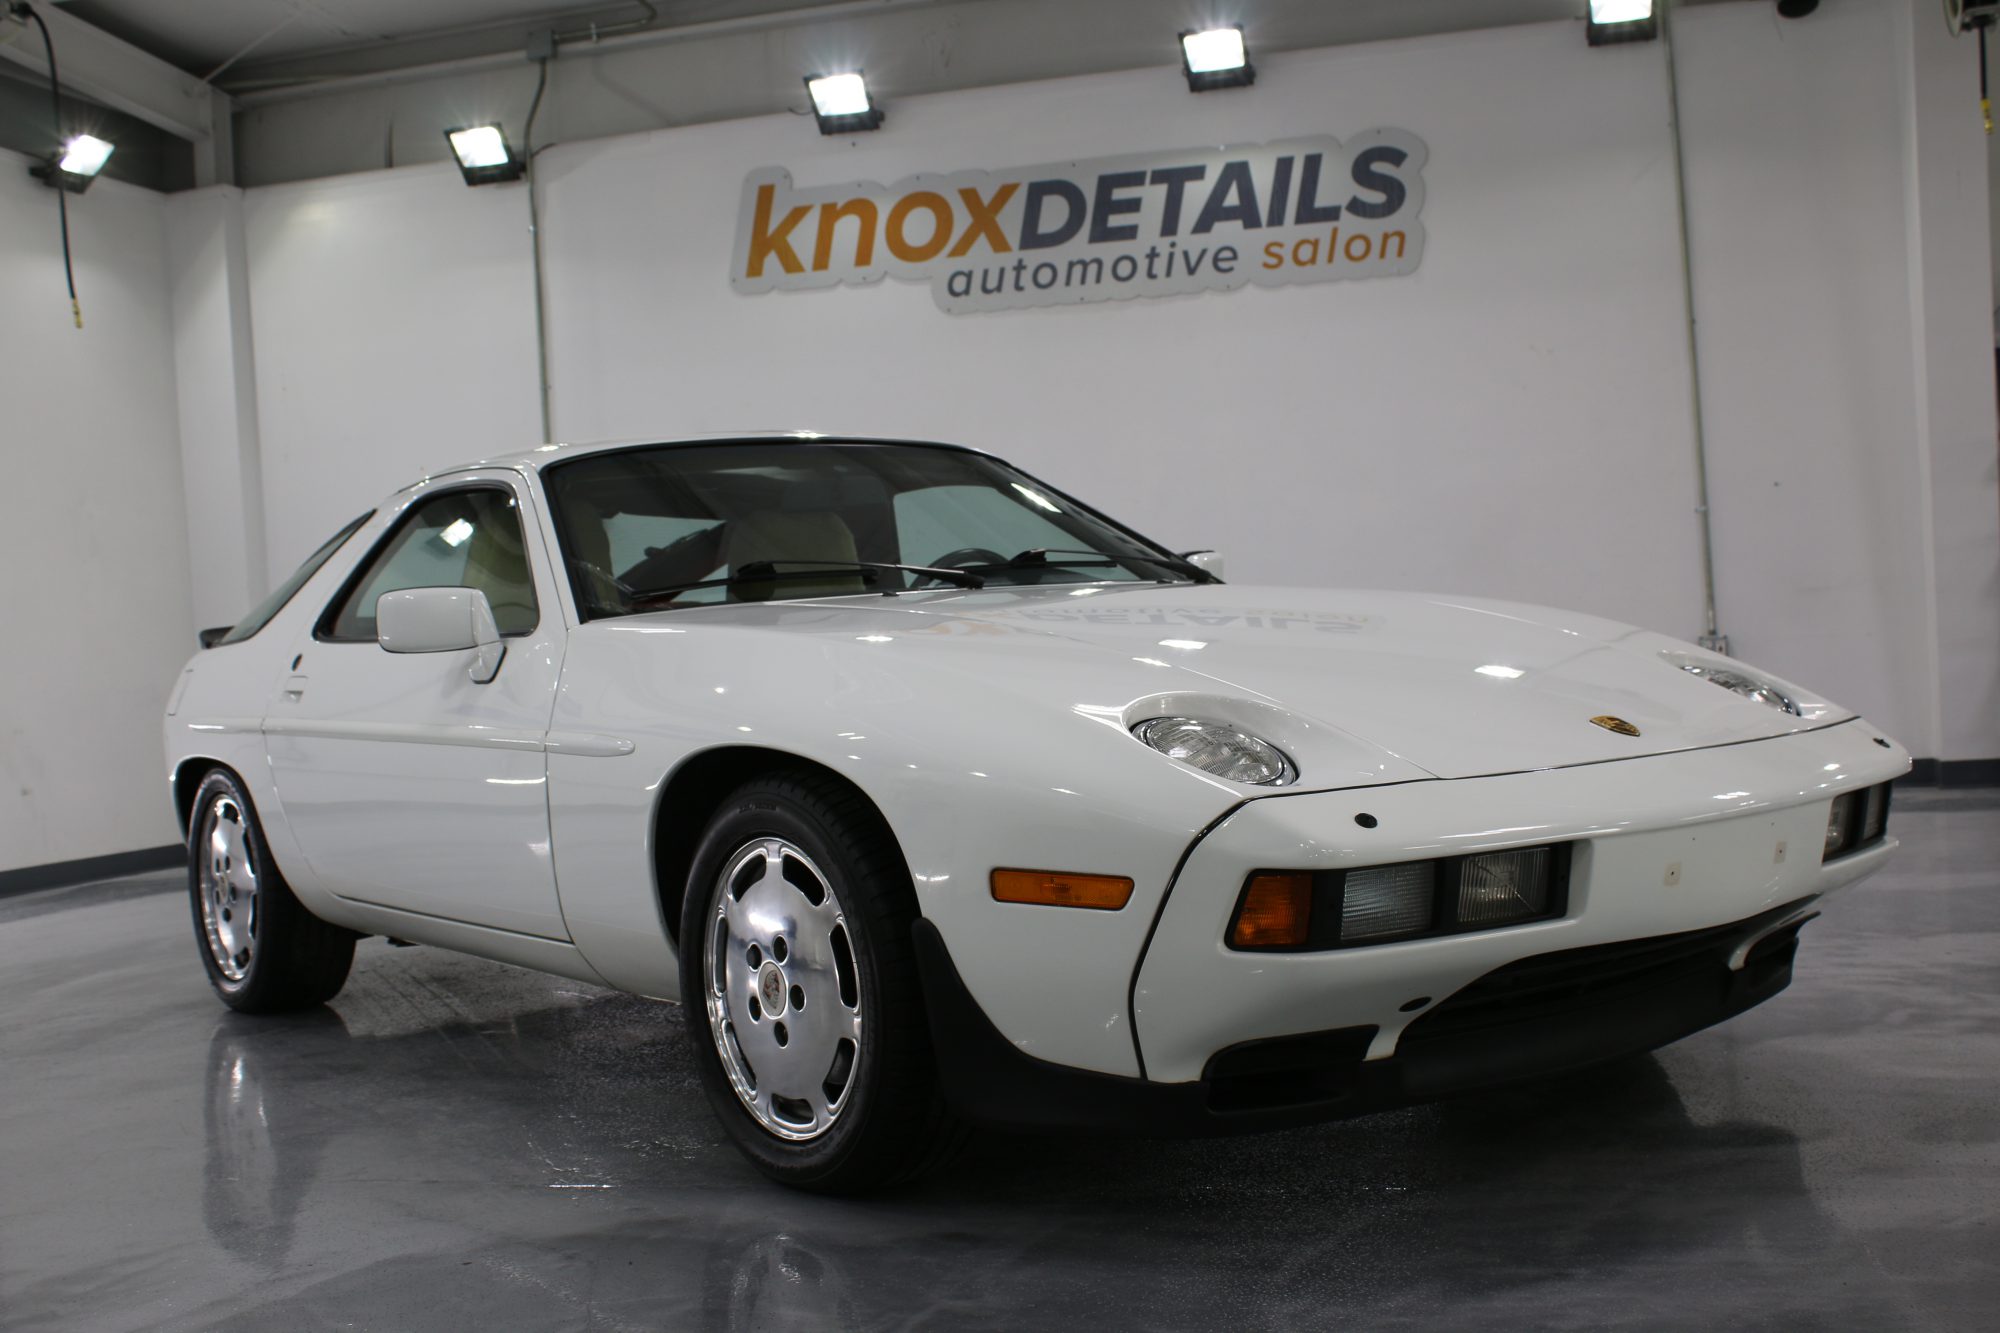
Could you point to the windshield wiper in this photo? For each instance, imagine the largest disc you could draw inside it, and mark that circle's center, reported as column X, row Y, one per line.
column 767, row 571
column 1038, row 558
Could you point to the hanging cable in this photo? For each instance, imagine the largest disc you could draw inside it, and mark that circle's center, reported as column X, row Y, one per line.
column 1961, row 17
column 24, row 10
column 535, row 108
column 529, row 151
column 1985, row 102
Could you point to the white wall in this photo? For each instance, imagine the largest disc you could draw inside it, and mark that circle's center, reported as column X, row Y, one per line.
column 94, row 543
column 1795, row 137
column 216, row 390
column 1451, row 430
column 393, row 327
column 1512, row 420
column 1946, row 222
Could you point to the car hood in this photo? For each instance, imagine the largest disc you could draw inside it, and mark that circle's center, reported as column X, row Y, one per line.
column 1360, row 687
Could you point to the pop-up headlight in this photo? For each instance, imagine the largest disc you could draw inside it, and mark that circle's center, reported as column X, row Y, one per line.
column 1218, row 747
column 1737, row 679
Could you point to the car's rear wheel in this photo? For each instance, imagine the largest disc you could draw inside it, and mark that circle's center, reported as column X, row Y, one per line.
column 801, row 992
column 264, row 952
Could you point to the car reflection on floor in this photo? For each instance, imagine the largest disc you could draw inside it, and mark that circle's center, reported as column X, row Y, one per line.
column 558, row 1141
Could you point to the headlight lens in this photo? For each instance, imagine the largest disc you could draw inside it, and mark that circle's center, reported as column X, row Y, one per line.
column 1736, row 679
column 1294, row 910
column 1857, row 819
column 1219, row 748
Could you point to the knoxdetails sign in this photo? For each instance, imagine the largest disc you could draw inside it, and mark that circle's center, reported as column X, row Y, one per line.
column 1106, row 229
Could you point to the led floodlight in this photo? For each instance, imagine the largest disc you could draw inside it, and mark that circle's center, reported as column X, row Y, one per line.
column 1216, row 58
column 77, row 165
column 1613, row 21
column 484, row 155
column 841, row 103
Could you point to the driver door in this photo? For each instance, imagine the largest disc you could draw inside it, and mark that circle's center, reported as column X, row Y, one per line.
column 406, row 783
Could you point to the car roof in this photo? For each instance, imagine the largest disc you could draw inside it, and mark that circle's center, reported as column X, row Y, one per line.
column 533, row 460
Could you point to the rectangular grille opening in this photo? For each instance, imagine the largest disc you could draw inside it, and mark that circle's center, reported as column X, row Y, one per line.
column 1601, row 976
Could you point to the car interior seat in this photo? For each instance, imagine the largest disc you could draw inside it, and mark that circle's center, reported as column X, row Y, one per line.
column 497, row 565
column 590, row 565
column 781, row 535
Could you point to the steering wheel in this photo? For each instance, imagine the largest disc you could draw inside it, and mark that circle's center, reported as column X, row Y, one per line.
column 963, row 557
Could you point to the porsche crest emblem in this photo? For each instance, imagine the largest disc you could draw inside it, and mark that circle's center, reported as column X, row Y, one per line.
column 1617, row 724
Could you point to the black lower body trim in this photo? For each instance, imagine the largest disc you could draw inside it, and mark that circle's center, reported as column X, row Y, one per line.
column 1533, row 1018
column 60, row 874
column 1952, row 773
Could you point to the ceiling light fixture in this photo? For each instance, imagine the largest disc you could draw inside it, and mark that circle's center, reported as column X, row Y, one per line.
column 1614, row 21
column 1216, row 58
column 77, row 165
column 841, row 103
column 484, row 155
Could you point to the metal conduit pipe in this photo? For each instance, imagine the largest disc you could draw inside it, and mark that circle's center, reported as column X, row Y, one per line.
column 528, row 152
column 1711, row 636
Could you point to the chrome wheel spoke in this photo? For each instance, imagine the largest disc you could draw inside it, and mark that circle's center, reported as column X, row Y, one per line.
column 737, row 917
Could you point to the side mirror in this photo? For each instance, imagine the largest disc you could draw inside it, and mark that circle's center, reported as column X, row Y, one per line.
column 441, row 620
column 1209, row 562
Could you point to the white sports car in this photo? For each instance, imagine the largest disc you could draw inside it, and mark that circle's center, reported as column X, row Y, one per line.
column 940, row 798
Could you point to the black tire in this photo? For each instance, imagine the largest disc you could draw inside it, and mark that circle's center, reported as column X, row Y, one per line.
column 893, row 1125
column 283, row 957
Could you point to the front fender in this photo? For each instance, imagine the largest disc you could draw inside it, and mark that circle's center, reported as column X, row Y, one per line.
column 975, row 758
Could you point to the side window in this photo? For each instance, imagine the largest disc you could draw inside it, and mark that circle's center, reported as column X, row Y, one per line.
column 265, row 611
column 941, row 519
column 463, row 539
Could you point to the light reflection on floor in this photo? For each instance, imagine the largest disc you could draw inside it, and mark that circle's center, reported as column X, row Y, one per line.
column 456, row 1144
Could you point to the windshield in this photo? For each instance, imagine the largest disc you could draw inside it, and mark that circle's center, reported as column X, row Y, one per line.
column 770, row 521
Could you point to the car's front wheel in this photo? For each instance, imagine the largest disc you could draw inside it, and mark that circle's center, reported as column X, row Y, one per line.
column 801, row 992
column 264, row 952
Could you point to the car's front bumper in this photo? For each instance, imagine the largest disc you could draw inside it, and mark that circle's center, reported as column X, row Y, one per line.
column 1542, row 1016
column 1693, row 853
column 1660, row 845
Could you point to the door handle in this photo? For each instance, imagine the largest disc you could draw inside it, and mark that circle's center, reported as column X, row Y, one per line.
column 295, row 689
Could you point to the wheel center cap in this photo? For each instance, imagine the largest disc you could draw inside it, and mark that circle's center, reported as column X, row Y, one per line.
column 771, row 989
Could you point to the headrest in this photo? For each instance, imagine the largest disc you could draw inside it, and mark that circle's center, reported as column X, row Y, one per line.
column 779, row 535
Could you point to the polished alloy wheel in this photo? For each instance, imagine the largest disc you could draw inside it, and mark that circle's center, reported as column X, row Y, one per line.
column 227, row 882
column 784, row 998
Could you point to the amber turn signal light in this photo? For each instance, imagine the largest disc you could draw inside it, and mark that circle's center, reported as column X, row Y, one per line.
column 1057, row 888
column 1276, row 913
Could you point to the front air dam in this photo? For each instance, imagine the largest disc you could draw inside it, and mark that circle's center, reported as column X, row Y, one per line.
column 1533, row 1018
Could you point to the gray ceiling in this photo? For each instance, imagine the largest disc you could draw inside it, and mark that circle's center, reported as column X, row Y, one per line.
column 265, row 43
column 276, row 40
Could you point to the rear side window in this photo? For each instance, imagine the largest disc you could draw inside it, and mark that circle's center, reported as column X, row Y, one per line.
column 457, row 539
column 262, row 614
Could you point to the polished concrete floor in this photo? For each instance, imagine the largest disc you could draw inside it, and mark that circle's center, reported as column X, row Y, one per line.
column 456, row 1144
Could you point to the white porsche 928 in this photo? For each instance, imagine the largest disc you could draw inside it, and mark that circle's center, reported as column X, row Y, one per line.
column 939, row 798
